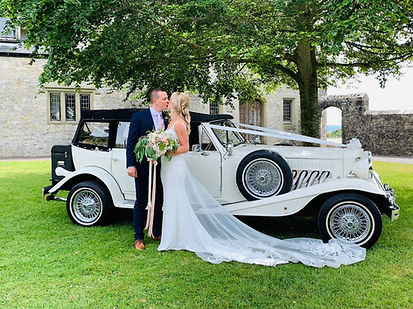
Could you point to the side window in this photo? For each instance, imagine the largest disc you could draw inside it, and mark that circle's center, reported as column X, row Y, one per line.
column 95, row 134
column 206, row 143
column 122, row 134
column 228, row 137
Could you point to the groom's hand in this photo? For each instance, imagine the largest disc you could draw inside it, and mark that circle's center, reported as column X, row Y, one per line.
column 132, row 172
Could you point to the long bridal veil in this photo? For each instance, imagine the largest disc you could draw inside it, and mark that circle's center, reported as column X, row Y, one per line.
column 195, row 221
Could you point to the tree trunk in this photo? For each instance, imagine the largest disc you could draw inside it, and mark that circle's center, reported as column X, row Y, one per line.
column 307, row 75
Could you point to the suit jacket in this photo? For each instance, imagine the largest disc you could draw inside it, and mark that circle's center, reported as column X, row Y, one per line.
column 140, row 124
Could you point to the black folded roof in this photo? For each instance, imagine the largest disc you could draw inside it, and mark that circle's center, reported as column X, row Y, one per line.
column 126, row 113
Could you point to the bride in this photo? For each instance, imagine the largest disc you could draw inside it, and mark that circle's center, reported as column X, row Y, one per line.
column 194, row 221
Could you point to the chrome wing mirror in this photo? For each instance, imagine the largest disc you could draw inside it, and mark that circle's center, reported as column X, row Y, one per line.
column 196, row 147
column 229, row 148
column 256, row 140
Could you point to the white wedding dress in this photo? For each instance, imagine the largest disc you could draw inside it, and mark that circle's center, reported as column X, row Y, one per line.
column 194, row 221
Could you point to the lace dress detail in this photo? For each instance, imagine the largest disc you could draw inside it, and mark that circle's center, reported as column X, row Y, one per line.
column 194, row 221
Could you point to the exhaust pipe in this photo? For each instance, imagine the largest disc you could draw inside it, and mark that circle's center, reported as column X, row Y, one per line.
column 55, row 198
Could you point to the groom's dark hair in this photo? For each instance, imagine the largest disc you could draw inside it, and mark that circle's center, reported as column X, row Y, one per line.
column 155, row 93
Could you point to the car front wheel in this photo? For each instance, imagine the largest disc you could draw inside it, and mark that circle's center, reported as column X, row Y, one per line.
column 350, row 217
column 89, row 204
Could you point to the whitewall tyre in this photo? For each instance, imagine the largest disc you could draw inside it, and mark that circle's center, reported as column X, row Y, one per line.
column 263, row 174
column 89, row 203
column 350, row 217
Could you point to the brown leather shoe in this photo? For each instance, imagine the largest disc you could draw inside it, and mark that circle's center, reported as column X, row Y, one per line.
column 139, row 245
column 156, row 238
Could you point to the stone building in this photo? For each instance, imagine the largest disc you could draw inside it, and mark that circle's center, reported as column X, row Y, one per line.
column 31, row 121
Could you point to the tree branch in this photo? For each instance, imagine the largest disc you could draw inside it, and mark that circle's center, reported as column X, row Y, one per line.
column 366, row 64
column 230, row 58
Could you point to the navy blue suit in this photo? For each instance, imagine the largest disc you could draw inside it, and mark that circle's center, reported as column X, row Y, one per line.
column 140, row 124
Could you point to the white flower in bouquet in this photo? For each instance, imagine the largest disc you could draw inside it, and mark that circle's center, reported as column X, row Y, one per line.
column 155, row 145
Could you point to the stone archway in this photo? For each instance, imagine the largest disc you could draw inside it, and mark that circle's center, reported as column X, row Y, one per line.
column 322, row 114
column 352, row 107
column 331, row 120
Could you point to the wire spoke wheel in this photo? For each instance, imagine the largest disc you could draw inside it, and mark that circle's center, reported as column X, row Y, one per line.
column 350, row 217
column 86, row 205
column 89, row 203
column 350, row 222
column 263, row 178
column 262, row 174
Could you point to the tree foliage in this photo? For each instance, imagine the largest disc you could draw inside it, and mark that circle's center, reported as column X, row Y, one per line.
column 220, row 49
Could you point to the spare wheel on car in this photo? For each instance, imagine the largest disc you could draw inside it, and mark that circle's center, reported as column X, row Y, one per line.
column 262, row 174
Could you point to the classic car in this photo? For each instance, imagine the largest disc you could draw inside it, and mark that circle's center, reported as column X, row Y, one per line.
column 337, row 184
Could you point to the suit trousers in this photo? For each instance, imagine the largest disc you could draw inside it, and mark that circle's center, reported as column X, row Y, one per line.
column 139, row 212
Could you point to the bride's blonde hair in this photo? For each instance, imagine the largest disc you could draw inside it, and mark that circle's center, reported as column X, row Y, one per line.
column 180, row 105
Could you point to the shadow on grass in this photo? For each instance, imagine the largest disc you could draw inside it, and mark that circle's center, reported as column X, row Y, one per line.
column 280, row 227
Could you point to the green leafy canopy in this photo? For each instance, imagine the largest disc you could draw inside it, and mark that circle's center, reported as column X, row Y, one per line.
column 219, row 49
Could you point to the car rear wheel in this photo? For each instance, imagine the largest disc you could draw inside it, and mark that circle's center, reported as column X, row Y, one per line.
column 89, row 204
column 263, row 174
column 350, row 217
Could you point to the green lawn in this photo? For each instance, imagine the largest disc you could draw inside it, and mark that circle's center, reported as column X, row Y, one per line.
column 47, row 262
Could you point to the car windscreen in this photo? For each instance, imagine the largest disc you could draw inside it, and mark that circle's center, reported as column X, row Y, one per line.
column 228, row 137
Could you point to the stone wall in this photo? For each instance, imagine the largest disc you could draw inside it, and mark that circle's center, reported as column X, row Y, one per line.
column 388, row 133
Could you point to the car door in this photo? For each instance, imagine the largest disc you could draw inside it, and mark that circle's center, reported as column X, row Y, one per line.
column 205, row 165
column 119, row 170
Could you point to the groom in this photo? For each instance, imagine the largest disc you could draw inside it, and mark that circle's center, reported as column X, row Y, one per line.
column 140, row 124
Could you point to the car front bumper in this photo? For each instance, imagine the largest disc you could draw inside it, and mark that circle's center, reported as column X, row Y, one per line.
column 392, row 210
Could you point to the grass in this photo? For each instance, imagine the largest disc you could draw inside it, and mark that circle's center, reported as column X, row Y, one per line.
column 335, row 133
column 47, row 262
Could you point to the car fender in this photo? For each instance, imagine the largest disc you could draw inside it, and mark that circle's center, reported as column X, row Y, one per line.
column 294, row 201
column 97, row 172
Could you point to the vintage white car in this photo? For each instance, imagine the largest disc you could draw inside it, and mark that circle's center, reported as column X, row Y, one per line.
column 337, row 184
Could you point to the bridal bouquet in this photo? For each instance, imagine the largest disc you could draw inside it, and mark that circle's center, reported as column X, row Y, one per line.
column 154, row 145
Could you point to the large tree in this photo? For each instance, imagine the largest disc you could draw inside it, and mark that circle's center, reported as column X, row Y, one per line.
column 220, row 49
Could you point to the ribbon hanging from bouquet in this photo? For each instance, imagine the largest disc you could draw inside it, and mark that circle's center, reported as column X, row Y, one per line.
column 152, row 146
column 151, row 197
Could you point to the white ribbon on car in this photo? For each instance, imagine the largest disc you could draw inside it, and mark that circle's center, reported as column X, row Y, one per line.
column 283, row 135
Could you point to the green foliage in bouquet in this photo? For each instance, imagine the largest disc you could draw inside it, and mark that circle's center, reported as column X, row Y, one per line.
column 155, row 145
column 140, row 149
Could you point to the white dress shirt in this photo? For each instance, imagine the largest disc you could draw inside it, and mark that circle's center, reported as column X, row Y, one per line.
column 155, row 117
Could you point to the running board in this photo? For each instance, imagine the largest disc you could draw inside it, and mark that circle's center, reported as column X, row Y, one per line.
column 129, row 204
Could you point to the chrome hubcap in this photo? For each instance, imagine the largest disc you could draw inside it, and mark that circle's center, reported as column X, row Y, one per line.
column 263, row 178
column 350, row 222
column 86, row 205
